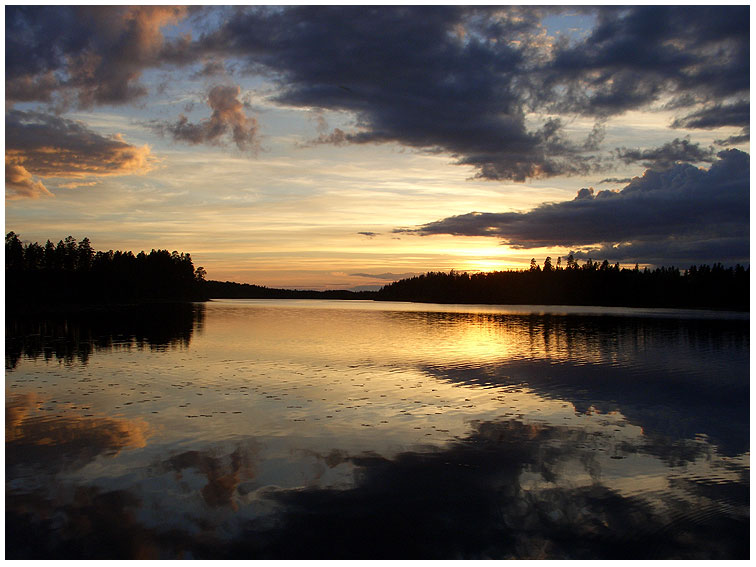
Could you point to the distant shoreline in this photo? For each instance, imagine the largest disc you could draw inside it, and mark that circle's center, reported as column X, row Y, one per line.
column 705, row 288
column 72, row 276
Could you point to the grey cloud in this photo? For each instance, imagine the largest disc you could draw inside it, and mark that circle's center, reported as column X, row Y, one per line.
column 49, row 146
column 441, row 78
column 672, row 251
column 29, row 88
column 386, row 276
column 228, row 117
column 459, row 80
column 368, row 233
column 636, row 54
column 717, row 115
column 453, row 79
column 94, row 53
column 737, row 139
column 616, row 180
column 336, row 137
column 682, row 208
column 212, row 68
column 676, row 151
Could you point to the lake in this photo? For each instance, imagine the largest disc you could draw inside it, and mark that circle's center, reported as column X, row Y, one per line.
column 312, row 429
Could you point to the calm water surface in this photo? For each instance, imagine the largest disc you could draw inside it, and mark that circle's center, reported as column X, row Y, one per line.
column 330, row 429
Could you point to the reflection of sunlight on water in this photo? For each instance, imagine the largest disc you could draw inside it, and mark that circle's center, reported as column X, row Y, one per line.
column 352, row 378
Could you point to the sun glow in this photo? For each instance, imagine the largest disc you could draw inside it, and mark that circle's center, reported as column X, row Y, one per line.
column 488, row 265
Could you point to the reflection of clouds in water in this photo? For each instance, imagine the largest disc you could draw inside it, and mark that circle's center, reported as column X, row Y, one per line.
column 224, row 473
column 90, row 523
column 374, row 438
column 470, row 501
column 56, row 443
column 508, row 489
column 666, row 403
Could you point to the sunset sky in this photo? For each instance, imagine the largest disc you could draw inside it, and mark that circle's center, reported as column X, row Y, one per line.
column 347, row 146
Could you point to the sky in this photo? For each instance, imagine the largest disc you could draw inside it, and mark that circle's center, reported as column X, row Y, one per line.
column 347, row 146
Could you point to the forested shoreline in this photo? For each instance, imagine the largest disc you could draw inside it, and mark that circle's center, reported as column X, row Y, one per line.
column 72, row 273
column 233, row 290
column 592, row 283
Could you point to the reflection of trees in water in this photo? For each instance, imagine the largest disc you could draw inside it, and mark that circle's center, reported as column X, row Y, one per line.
column 664, row 403
column 473, row 499
column 585, row 338
column 675, row 378
column 72, row 336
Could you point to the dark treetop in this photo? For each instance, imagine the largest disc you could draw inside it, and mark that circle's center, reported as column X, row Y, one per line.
column 699, row 287
column 72, row 273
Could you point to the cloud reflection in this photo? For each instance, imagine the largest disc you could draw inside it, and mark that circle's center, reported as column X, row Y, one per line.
column 67, row 442
column 509, row 489
column 223, row 473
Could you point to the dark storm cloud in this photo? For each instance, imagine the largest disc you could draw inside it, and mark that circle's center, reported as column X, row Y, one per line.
column 683, row 209
column 445, row 78
column 48, row 146
column 671, row 153
column 738, row 114
column 95, row 54
column 718, row 115
column 634, row 55
column 459, row 80
column 452, row 79
column 737, row 139
column 672, row 250
column 228, row 117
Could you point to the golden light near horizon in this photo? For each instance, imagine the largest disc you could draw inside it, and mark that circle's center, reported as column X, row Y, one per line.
column 328, row 171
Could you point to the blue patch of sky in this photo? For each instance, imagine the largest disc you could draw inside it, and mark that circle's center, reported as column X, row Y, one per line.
column 573, row 25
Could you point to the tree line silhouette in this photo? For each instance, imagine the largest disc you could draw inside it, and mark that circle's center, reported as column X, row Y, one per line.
column 73, row 273
column 592, row 283
column 233, row 290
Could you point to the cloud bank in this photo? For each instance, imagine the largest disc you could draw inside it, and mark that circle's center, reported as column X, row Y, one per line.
column 683, row 213
column 452, row 79
column 48, row 146
column 84, row 55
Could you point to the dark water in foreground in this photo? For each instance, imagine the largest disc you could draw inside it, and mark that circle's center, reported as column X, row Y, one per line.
column 327, row 429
